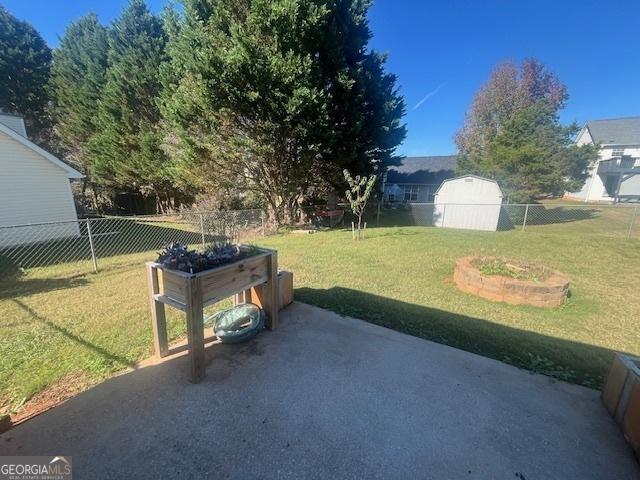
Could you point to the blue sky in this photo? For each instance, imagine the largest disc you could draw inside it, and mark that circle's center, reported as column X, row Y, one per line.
column 443, row 51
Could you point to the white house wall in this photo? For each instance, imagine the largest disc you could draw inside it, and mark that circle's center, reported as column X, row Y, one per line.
column 33, row 190
column 594, row 189
column 630, row 186
column 584, row 137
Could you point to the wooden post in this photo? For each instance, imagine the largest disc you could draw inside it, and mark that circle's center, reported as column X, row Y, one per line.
column 91, row 246
column 526, row 214
column 271, row 296
column 618, row 183
column 202, row 230
column 195, row 329
column 633, row 219
column 242, row 297
column 158, row 318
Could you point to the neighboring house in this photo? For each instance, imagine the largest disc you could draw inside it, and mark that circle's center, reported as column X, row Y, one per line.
column 615, row 177
column 469, row 202
column 416, row 179
column 34, row 187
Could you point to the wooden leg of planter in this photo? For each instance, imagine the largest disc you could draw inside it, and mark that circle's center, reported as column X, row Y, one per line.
column 270, row 292
column 195, row 330
column 242, row 297
column 158, row 318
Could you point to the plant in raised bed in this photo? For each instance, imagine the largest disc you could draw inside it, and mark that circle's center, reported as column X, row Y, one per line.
column 512, row 282
column 511, row 268
column 177, row 256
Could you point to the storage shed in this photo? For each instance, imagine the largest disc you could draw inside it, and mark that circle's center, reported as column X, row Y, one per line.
column 34, row 188
column 469, row 202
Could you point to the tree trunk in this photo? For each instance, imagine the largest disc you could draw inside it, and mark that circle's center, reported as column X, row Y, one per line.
column 281, row 211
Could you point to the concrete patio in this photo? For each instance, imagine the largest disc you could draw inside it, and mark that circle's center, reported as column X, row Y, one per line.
column 326, row 396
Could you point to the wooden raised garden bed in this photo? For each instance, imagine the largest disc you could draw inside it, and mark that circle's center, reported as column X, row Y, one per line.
column 621, row 397
column 191, row 292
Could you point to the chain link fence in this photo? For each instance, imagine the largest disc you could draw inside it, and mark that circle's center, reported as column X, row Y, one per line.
column 92, row 243
column 620, row 220
column 96, row 241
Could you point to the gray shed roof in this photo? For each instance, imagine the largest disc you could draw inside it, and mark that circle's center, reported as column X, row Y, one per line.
column 615, row 131
column 422, row 169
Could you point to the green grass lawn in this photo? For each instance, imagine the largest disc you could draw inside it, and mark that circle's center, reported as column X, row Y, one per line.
column 62, row 320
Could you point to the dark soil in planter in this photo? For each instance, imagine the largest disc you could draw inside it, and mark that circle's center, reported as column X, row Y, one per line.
column 177, row 256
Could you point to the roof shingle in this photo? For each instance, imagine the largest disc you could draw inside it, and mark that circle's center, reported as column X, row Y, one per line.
column 424, row 170
column 615, row 131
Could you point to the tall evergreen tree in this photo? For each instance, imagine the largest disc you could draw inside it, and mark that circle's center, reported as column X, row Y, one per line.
column 25, row 61
column 127, row 144
column 279, row 95
column 78, row 76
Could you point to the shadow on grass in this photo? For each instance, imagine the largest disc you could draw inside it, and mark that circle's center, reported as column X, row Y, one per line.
column 26, row 287
column 408, row 216
column 511, row 216
column 112, row 357
column 563, row 359
column 542, row 215
column 111, row 237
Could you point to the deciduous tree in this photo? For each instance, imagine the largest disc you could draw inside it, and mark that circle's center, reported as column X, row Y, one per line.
column 512, row 134
column 507, row 91
column 533, row 156
column 358, row 194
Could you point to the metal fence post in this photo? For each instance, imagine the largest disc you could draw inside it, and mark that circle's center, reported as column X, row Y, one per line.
column 202, row 229
column 262, row 219
column 92, row 247
column 633, row 219
column 526, row 213
column 444, row 209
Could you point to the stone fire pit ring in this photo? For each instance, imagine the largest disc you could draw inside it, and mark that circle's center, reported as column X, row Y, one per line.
column 548, row 293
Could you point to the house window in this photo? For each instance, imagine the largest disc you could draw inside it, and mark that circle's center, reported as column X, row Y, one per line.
column 617, row 152
column 410, row 193
column 391, row 197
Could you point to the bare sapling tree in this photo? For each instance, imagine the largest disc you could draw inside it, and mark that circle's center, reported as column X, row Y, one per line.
column 360, row 189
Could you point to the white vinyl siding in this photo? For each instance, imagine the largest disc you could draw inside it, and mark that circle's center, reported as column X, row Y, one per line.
column 32, row 190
